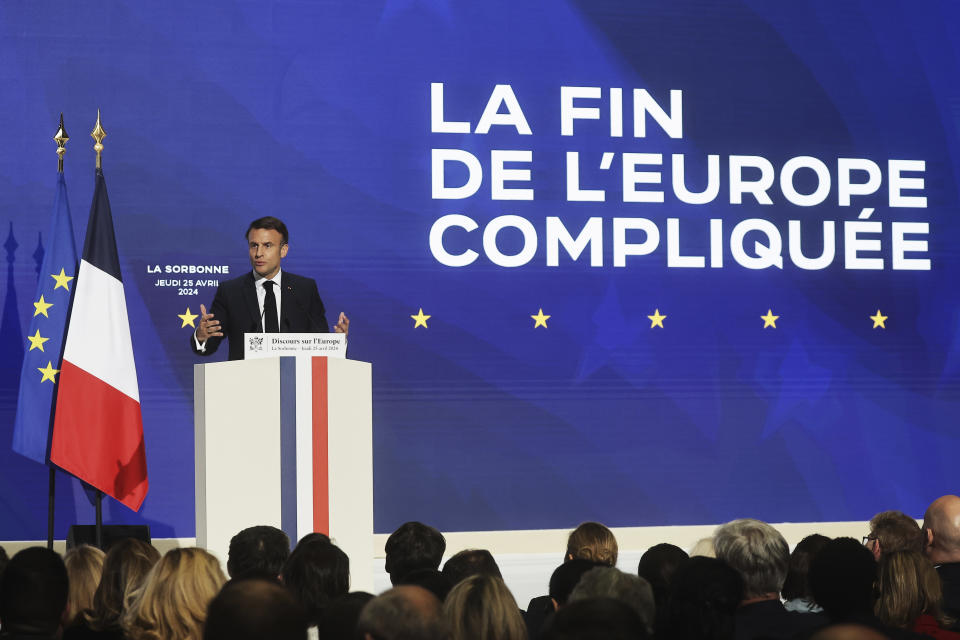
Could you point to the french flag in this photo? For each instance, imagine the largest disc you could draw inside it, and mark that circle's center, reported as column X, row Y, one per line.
column 97, row 428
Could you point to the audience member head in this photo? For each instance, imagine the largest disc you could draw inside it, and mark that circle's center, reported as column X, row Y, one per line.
column 470, row 562
column 703, row 601
column 795, row 587
column 402, row 613
column 481, row 608
column 255, row 609
column 893, row 531
column 595, row 619
column 607, row 582
column 848, row 632
column 658, row 564
column 430, row 579
column 565, row 578
column 172, row 603
column 4, row 559
column 339, row 620
column 84, row 568
column 125, row 568
column 33, row 592
column 413, row 546
column 842, row 577
column 941, row 529
column 757, row 552
column 258, row 552
column 316, row 572
column 704, row 548
column 592, row 541
column 909, row 587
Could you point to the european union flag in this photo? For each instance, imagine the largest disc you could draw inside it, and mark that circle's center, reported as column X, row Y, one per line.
column 44, row 348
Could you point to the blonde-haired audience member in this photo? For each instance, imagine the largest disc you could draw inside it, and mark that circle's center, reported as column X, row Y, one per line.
column 910, row 594
column 172, row 603
column 84, row 568
column 482, row 608
column 592, row 541
column 704, row 548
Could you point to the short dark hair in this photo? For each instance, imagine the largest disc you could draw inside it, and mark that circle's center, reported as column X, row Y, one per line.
column 470, row 562
column 430, row 579
column 340, row 617
column 33, row 591
column 317, row 572
column 796, row 585
column 258, row 551
column 896, row 531
column 657, row 566
column 703, row 601
column 252, row 609
column 269, row 222
column 842, row 577
column 412, row 546
column 595, row 619
column 567, row 575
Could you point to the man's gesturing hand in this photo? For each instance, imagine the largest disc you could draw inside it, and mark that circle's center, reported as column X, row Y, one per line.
column 209, row 327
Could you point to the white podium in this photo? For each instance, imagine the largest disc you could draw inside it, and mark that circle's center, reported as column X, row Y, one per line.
column 286, row 442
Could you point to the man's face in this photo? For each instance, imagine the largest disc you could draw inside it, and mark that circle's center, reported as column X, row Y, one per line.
column 266, row 250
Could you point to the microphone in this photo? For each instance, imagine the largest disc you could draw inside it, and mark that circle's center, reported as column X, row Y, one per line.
column 310, row 316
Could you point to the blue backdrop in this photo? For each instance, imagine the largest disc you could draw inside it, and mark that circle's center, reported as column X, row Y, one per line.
column 320, row 113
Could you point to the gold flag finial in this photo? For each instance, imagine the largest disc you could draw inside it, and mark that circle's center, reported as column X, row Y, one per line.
column 61, row 138
column 98, row 134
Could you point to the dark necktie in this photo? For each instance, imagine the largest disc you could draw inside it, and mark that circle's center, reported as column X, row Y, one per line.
column 270, row 309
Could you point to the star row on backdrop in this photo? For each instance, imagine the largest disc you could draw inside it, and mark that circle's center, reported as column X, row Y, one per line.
column 42, row 308
column 540, row 319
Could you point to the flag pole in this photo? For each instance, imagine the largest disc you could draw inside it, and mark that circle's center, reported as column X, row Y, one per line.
column 98, row 134
column 61, row 138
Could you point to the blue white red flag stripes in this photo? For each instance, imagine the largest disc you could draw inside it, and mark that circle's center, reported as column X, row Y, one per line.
column 98, row 429
column 38, row 376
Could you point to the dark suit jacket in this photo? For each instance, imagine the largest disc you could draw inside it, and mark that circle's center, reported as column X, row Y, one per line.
column 235, row 306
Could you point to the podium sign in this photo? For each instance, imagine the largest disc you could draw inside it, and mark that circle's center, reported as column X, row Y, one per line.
column 268, row 345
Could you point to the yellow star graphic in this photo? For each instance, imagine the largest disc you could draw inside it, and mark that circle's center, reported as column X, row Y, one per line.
column 656, row 320
column 540, row 320
column 420, row 320
column 41, row 307
column 63, row 280
column 188, row 318
column 48, row 373
column 878, row 320
column 36, row 341
column 769, row 320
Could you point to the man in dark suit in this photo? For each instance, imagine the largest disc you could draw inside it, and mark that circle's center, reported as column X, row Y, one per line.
column 266, row 299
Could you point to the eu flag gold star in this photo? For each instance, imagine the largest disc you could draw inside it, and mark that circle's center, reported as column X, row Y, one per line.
column 656, row 320
column 540, row 320
column 878, row 320
column 188, row 318
column 49, row 373
column 36, row 341
column 63, row 280
column 769, row 320
column 41, row 307
column 420, row 320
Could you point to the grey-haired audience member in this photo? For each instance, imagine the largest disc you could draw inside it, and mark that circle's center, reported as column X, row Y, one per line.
column 607, row 582
column 413, row 546
column 258, row 552
column 402, row 613
column 893, row 531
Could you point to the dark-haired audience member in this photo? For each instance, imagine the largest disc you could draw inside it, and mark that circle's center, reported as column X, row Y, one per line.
column 33, row 595
column 316, row 572
column 413, row 546
column 893, row 531
column 941, row 528
column 340, row 617
column 430, row 579
column 658, row 565
column 402, row 613
column 842, row 580
column 796, row 590
column 910, row 596
column 703, row 600
column 482, row 608
column 255, row 609
column 608, row 582
column 595, row 619
column 258, row 552
column 562, row 581
column 470, row 562
column 125, row 567
column 592, row 541
column 84, row 569
column 758, row 552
